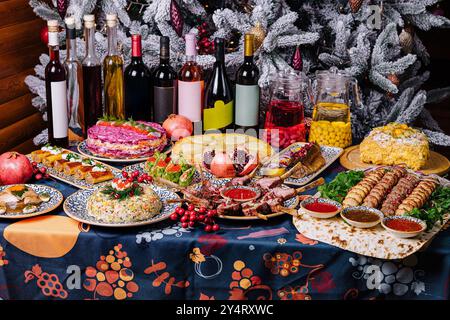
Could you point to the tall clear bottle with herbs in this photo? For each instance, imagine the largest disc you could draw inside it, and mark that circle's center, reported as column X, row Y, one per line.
column 92, row 76
column 77, row 128
column 113, row 73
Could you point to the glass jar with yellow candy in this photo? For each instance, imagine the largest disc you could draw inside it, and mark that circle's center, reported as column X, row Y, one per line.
column 331, row 125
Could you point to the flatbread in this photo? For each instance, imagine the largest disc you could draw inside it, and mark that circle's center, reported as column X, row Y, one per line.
column 374, row 242
column 192, row 148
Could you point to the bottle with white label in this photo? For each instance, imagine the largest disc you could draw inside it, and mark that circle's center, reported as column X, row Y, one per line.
column 55, row 86
column 247, row 89
column 190, row 83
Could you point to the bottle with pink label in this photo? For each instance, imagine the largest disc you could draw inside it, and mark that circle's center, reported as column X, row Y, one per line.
column 190, row 83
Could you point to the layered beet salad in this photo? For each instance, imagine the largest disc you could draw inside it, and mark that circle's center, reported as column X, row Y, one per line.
column 126, row 139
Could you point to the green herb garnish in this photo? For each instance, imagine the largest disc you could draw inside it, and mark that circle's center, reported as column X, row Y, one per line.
column 19, row 193
column 134, row 190
column 434, row 209
column 338, row 188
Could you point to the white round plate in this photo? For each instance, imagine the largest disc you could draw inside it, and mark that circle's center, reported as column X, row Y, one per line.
column 83, row 149
column 75, row 207
column 56, row 199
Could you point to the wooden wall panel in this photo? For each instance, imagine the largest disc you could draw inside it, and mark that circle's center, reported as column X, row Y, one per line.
column 21, row 131
column 14, row 86
column 15, row 12
column 20, row 48
column 20, row 35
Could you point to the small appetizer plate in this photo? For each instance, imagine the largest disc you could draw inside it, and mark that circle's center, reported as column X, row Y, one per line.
column 240, row 193
column 362, row 217
column 404, row 226
column 320, row 208
column 51, row 199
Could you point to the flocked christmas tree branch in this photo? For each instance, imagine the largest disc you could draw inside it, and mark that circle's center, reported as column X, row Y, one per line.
column 375, row 42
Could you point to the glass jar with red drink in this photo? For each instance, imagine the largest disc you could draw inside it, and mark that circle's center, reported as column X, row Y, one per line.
column 284, row 123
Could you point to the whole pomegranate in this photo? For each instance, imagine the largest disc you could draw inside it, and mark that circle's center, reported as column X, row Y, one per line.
column 14, row 168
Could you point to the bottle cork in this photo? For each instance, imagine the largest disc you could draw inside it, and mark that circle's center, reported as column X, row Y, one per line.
column 70, row 22
column 53, row 30
column 111, row 19
column 89, row 20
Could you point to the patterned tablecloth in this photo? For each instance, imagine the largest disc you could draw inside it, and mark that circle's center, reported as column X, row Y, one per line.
column 55, row 257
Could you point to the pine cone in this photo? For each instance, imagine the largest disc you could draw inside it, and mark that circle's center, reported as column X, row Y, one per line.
column 297, row 61
column 406, row 40
column 176, row 18
column 259, row 33
column 355, row 5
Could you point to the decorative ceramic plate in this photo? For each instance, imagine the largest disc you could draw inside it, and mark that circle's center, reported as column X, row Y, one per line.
column 70, row 179
column 75, row 207
column 56, row 199
column 140, row 168
column 330, row 155
column 83, row 149
column 291, row 203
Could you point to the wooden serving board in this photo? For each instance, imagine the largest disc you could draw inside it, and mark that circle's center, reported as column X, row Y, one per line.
column 436, row 164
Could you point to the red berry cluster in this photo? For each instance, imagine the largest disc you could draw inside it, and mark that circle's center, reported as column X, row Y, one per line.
column 190, row 216
column 137, row 176
column 39, row 173
column 205, row 45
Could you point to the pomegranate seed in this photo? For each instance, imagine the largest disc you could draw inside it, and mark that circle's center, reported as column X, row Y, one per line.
column 216, row 227
column 124, row 174
column 191, row 207
column 208, row 228
column 174, row 217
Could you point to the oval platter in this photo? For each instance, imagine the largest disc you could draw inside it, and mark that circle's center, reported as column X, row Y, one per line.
column 291, row 203
column 56, row 198
column 82, row 148
column 75, row 207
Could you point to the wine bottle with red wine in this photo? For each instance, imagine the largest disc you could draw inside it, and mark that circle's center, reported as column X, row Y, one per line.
column 247, row 89
column 164, row 85
column 137, row 84
column 55, row 87
column 218, row 110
